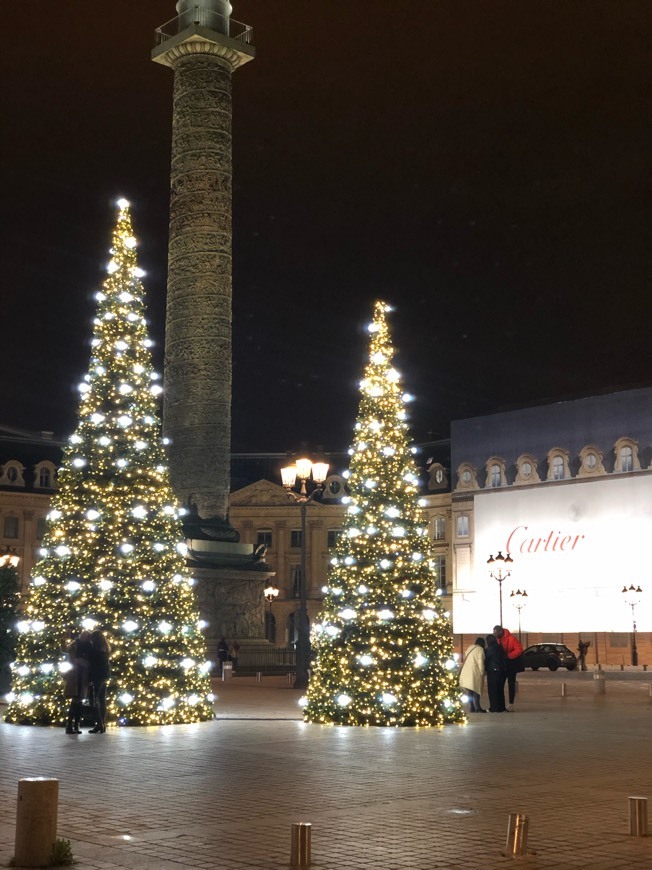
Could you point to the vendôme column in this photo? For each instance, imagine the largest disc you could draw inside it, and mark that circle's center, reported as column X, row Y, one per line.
column 203, row 46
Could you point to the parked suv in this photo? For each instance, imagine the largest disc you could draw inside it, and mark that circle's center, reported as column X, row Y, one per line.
column 549, row 655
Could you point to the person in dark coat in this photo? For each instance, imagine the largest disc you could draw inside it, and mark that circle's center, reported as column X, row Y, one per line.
column 513, row 656
column 76, row 679
column 98, row 675
column 222, row 653
column 496, row 666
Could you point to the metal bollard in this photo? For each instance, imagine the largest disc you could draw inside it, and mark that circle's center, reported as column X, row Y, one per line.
column 517, row 826
column 36, row 821
column 638, row 816
column 650, row 690
column 599, row 684
column 290, row 679
column 300, row 844
column 564, row 690
column 259, row 676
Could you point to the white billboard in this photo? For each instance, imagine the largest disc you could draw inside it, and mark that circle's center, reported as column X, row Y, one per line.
column 574, row 547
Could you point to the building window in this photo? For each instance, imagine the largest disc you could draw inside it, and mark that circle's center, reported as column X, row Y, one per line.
column 333, row 535
column 626, row 459
column 295, row 538
column 591, row 460
column 264, row 536
column 12, row 474
column 439, row 529
column 558, row 468
column 44, row 478
column 10, row 527
column 40, row 528
column 295, row 581
column 495, row 476
column 463, row 526
column 526, row 469
column 439, row 564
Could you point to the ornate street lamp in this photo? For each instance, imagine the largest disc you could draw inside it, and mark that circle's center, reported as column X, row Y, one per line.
column 304, row 469
column 632, row 597
column 271, row 594
column 500, row 574
column 9, row 558
column 517, row 599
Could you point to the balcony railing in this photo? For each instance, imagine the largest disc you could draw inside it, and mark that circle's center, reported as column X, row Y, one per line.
column 201, row 17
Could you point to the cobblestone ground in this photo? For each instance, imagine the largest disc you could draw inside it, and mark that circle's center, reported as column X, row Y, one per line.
column 223, row 794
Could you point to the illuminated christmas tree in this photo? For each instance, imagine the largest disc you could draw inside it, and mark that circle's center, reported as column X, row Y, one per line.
column 382, row 646
column 112, row 555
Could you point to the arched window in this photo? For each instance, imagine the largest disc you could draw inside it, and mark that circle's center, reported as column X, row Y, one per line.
column 44, row 478
column 12, row 474
column 626, row 450
column 558, row 464
column 10, row 527
column 626, row 458
column 495, row 475
column 558, row 468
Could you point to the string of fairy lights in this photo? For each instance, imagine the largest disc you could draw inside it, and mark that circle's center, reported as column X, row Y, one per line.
column 382, row 645
column 112, row 554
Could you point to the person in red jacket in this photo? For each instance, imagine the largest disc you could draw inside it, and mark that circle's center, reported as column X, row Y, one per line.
column 514, row 654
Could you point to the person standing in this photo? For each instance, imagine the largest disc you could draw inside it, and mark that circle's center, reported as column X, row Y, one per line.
column 98, row 675
column 222, row 653
column 233, row 653
column 472, row 674
column 495, row 664
column 514, row 655
column 76, row 679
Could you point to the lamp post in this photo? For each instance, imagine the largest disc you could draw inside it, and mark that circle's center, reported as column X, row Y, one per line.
column 632, row 598
column 518, row 602
column 9, row 558
column 303, row 469
column 271, row 594
column 500, row 574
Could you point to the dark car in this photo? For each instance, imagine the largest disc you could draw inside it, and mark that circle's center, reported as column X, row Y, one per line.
column 549, row 655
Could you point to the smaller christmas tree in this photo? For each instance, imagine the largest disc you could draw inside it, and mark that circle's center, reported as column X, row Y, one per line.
column 9, row 598
column 382, row 646
column 113, row 555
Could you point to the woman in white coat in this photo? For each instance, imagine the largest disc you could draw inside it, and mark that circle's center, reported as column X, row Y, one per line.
column 472, row 674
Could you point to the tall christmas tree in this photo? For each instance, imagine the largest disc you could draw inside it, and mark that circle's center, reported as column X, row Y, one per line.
column 382, row 646
column 112, row 555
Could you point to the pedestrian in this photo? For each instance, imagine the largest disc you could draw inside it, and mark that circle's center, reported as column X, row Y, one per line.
column 472, row 674
column 222, row 653
column 514, row 654
column 583, row 647
column 233, row 652
column 496, row 667
column 76, row 679
column 98, row 675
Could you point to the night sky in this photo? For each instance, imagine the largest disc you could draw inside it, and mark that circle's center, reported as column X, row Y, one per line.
column 480, row 165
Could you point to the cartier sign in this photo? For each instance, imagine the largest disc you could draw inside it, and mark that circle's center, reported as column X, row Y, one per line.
column 574, row 546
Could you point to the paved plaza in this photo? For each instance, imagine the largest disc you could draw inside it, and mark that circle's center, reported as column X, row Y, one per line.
column 223, row 794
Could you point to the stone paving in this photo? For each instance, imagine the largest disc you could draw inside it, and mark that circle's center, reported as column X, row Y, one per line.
column 223, row 794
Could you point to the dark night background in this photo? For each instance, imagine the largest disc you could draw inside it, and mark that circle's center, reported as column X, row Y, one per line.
column 478, row 164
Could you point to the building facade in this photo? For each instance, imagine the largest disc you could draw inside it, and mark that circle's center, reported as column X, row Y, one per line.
column 565, row 488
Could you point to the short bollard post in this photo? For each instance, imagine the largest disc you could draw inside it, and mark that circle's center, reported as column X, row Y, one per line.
column 300, row 845
column 36, row 821
column 638, row 816
column 650, row 690
column 517, row 826
column 290, row 679
column 599, row 684
column 564, row 690
column 259, row 676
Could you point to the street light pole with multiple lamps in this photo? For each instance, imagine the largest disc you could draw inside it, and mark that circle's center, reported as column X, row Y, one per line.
column 518, row 602
column 304, row 469
column 271, row 594
column 632, row 597
column 500, row 575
